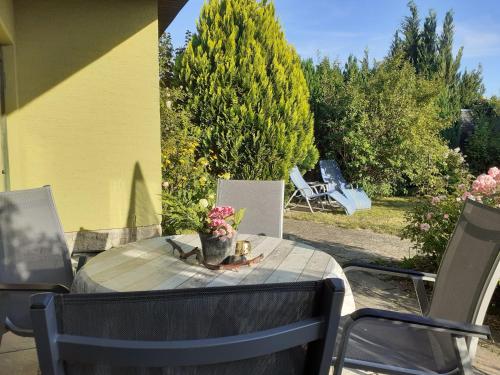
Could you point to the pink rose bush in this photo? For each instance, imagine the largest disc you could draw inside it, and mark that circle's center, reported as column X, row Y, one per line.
column 486, row 188
column 432, row 220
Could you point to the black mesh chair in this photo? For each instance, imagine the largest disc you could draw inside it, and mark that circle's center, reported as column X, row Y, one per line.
column 34, row 256
column 443, row 340
column 254, row 329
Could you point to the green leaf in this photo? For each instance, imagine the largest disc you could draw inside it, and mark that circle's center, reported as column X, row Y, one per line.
column 238, row 217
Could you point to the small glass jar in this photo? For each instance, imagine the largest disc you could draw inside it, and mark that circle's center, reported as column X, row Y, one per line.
column 243, row 248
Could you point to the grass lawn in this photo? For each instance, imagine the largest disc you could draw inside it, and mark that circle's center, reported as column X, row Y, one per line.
column 387, row 215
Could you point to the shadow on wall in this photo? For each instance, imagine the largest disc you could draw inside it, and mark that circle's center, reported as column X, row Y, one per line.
column 65, row 36
column 141, row 211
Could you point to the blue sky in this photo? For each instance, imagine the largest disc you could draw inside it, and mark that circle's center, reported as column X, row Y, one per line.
column 336, row 28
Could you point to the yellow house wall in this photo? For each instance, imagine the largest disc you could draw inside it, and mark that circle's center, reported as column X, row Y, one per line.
column 6, row 22
column 83, row 109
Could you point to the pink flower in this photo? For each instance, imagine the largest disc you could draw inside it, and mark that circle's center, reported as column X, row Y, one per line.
column 425, row 227
column 229, row 229
column 223, row 230
column 484, row 184
column 220, row 212
column 461, row 187
column 495, row 173
column 466, row 195
column 435, row 200
column 446, row 216
column 215, row 213
column 215, row 223
column 227, row 211
column 429, row 216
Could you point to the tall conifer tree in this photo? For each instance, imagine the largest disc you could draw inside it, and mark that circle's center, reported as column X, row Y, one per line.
column 427, row 48
column 411, row 31
column 448, row 65
column 248, row 93
column 432, row 56
column 397, row 45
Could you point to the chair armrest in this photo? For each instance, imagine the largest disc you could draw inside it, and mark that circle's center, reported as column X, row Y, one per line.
column 417, row 277
column 318, row 188
column 440, row 325
column 315, row 191
column 359, row 266
column 35, row 287
column 82, row 259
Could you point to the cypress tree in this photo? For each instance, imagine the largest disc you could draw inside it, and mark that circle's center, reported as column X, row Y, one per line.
column 248, row 94
column 448, row 66
column 427, row 48
column 411, row 32
column 432, row 57
column 396, row 46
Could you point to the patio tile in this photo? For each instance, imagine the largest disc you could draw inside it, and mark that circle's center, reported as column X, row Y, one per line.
column 13, row 343
column 18, row 355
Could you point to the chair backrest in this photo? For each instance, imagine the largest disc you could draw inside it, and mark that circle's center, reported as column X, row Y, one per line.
column 32, row 249
column 263, row 201
column 331, row 173
column 300, row 183
column 469, row 270
column 254, row 329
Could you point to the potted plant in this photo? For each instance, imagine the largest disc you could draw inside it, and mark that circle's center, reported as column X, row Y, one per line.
column 217, row 226
column 218, row 233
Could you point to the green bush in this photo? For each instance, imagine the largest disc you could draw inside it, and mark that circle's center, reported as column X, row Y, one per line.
column 185, row 177
column 430, row 225
column 483, row 146
column 433, row 219
column 382, row 124
column 249, row 98
column 445, row 175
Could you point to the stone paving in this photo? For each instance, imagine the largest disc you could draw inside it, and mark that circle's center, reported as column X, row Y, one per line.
column 371, row 290
column 18, row 356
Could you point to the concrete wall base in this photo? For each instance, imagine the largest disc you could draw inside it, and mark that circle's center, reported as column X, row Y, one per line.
column 98, row 240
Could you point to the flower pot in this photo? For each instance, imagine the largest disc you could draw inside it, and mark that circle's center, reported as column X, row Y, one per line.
column 214, row 249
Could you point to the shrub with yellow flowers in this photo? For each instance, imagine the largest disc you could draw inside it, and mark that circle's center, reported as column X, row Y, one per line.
column 187, row 185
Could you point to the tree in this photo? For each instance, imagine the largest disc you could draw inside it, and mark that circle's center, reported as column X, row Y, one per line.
column 427, row 48
column 312, row 81
column 166, row 60
column 483, row 146
column 432, row 56
column 448, row 65
column 470, row 87
column 380, row 123
column 396, row 45
column 248, row 96
column 411, row 31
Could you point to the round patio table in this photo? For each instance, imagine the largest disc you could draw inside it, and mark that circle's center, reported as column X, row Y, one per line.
column 152, row 264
